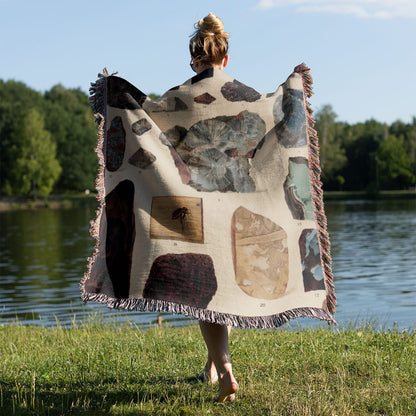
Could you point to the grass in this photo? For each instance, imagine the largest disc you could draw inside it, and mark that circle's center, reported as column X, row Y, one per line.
column 108, row 369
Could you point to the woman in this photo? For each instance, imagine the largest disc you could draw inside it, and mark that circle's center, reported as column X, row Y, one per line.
column 211, row 203
column 209, row 49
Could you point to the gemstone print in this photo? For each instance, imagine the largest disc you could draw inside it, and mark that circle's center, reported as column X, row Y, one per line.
column 289, row 116
column 297, row 189
column 141, row 126
column 115, row 145
column 204, row 99
column 186, row 279
column 313, row 278
column 260, row 255
column 216, row 151
column 121, row 233
column 122, row 94
column 142, row 159
column 236, row 91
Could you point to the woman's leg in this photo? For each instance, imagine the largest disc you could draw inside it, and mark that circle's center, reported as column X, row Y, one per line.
column 216, row 339
column 209, row 374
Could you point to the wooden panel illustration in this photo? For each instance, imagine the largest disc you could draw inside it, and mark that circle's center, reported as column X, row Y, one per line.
column 177, row 218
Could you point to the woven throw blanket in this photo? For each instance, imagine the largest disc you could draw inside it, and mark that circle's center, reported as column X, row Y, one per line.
column 210, row 202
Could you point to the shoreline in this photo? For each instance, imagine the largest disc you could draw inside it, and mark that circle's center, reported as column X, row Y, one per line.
column 67, row 201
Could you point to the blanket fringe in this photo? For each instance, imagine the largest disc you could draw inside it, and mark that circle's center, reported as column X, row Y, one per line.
column 98, row 99
column 317, row 192
column 245, row 322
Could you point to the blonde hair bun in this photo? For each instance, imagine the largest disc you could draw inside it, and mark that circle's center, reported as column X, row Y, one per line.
column 211, row 25
column 209, row 43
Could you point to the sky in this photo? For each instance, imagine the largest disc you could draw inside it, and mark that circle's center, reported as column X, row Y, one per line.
column 362, row 53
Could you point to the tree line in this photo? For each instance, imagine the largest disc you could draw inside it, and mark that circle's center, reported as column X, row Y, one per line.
column 47, row 143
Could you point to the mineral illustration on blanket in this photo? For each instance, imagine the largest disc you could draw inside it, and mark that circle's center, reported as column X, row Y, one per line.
column 236, row 91
column 297, row 189
column 260, row 255
column 122, row 94
column 142, row 158
column 177, row 218
column 183, row 169
column 290, row 118
column 141, row 126
column 216, row 151
column 115, row 145
column 187, row 279
column 313, row 278
column 169, row 104
column 121, row 233
column 205, row 98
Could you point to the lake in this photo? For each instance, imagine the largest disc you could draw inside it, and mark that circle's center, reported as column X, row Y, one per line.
column 43, row 257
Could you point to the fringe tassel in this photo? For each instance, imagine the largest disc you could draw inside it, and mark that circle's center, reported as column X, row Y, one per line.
column 317, row 192
column 245, row 322
column 98, row 100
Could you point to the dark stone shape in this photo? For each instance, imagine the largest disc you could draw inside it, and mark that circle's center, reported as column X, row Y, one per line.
column 186, row 279
column 208, row 73
column 180, row 105
column 231, row 152
column 204, row 98
column 142, row 159
column 236, row 91
column 121, row 232
column 311, row 261
column 175, row 135
column 270, row 94
column 122, row 94
column 141, row 126
column 115, row 144
column 290, row 118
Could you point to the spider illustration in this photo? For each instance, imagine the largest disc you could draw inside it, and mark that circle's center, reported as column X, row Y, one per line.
column 181, row 213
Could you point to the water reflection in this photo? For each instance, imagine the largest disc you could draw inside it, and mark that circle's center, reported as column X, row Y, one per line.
column 43, row 257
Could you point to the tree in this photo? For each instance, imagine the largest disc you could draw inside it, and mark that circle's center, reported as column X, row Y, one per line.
column 362, row 141
column 14, row 96
column 71, row 123
column 35, row 169
column 332, row 154
column 394, row 164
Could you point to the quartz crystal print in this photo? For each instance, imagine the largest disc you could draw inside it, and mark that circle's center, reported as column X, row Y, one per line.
column 313, row 278
column 260, row 255
column 297, row 189
column 217, row 151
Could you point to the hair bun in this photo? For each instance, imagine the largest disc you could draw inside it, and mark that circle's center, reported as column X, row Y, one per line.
column 211, row 25
column 209, row 42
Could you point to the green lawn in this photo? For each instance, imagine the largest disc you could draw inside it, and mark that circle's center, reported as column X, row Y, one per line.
column 108, row 369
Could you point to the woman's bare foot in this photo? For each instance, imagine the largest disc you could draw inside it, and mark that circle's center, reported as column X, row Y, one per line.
column 228, row 388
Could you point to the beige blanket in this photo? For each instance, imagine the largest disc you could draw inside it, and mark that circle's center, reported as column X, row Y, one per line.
column 210, row 202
